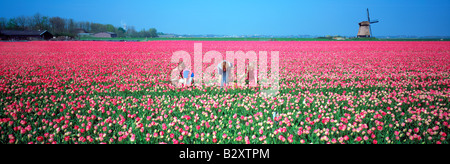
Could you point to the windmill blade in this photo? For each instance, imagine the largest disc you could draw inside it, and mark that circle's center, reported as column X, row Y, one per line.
column 374, row 22
column 368, row 19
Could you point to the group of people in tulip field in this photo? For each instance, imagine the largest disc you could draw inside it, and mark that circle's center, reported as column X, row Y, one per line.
column 184, row 76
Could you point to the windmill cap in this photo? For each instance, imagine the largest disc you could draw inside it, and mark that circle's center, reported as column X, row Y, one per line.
column 364, row 23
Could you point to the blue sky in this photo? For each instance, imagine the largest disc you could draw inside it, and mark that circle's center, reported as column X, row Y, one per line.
column 238, row 17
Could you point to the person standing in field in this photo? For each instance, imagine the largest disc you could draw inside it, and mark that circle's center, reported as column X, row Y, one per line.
column 224, row 69
column 250, row 75
column 175, row 75
column 188, row 76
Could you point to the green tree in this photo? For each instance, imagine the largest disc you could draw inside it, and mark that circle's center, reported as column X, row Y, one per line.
column 12, row 24
column 110, row 28
column 97, row 27
column 45, row 24
column 3, row 23
column 121, row 32
column 22, row 22
column 71, row 24
column 131, row 32
column 57, row 25
column 143, row 33
column 37, row 22
column 152, row 33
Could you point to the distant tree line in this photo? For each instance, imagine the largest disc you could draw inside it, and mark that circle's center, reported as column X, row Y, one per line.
column 68, row 27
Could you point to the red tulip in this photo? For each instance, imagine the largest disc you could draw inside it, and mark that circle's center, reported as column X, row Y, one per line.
column 40, row 138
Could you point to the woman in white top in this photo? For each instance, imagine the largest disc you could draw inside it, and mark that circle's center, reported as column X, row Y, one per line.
column 224, row 69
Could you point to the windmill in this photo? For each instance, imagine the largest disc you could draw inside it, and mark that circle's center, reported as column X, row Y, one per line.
column 365, row 31
column 124, row 25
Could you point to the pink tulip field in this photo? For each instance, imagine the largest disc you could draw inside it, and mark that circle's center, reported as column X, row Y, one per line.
column 331, row 92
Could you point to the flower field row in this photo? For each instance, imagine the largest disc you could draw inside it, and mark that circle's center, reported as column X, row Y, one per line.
column 330, row 92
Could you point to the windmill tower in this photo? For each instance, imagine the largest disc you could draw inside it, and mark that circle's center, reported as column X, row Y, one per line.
column 365, row 31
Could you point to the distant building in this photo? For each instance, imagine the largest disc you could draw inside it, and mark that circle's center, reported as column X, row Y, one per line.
column 105, row 35
column 81, row 32
column 166, row 36
column 25, row 35
column 338, row 38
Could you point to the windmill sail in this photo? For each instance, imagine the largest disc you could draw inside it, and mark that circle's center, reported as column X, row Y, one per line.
column 368, row 19
column 374, row 21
